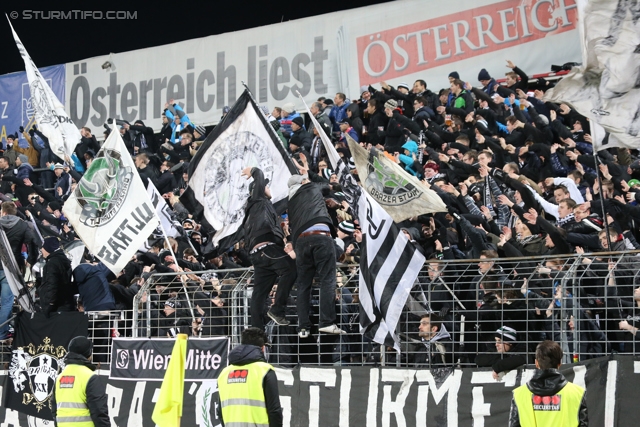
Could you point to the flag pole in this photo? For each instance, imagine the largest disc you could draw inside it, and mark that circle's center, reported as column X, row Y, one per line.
column 604, row 214
column 175, row 260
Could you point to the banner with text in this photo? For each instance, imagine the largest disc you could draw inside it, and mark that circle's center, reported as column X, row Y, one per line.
column 390, row 397
column 336, row 52
column 16, row 108
column 147, row 359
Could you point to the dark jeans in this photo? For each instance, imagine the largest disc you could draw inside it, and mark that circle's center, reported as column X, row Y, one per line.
column 269, row 264
column 316, row 255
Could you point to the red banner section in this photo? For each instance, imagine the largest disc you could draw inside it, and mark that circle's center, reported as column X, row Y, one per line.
column 466, row 34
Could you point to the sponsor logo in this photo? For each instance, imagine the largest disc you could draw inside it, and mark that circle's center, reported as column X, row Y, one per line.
column 67, row 381
column 465, row 34
column 237, row 376
column 122, row 359
column 546, row 403
column 34, row 370
column 103, row 189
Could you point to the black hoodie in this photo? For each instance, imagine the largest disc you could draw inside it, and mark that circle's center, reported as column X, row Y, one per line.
column 95, row 391
column 261, row 222
column 245, row 354
column 548, row 382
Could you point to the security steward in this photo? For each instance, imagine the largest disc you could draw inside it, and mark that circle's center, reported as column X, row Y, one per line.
column 80, row 399
column 248, row 387
column 549, row 399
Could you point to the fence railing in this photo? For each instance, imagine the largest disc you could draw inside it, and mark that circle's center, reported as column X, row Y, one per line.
column 580, row 301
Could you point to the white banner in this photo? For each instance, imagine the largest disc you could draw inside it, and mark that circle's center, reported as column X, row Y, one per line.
column 110, row 209
column 319, row 56
column 215, row 174
column 50, row 115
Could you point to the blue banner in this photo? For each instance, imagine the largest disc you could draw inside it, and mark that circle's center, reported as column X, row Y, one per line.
column 15, row 105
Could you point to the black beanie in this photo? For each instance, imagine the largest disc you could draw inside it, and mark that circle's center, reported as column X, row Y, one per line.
column 81, row 345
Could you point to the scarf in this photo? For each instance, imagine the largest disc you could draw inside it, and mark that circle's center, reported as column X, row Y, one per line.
column 565, row 220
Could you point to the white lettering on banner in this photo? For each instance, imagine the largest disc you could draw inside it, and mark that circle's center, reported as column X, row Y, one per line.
column 451, row 386
column 135, row 411
column 345, row 389
column 439, row 40
column 479, row 409
column 372, row 402
column 389, row 406
column 316, row 375
column 416, row 42
column 579, row 373
column 114, row 399
column 610, row 399
column 196, row 360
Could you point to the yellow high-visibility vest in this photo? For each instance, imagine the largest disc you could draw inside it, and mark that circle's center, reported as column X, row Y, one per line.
column 559, row 410
column 71, row 397
column 242, row 396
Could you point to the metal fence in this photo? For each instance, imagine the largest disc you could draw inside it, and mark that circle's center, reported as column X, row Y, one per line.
column 581, row 301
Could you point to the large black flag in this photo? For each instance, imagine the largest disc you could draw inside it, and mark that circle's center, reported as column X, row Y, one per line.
column 39, row 348
column 216, row 188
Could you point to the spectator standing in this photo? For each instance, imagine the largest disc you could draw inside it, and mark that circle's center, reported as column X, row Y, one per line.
column 312, row 231
column 270, row 257
column 55, row 290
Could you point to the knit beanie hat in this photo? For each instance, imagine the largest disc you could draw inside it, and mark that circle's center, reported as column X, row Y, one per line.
column 298, row 120
column 346, row 227
column 23, row 158
column 392, row 103
column 289, row 107
column 51, row 244
column 81, row 345
column 454, row 74
column 484, row 75
column 507, row 334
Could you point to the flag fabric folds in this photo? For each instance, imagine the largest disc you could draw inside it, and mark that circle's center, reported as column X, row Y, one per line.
column 397, row 191
column 216, row 188
column 606, row 87
column 389, row 262
column 168, row 409
column 50, row 115
column 110, row 209
column 26, row 297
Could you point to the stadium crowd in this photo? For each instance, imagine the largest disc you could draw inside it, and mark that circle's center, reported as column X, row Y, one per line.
column 518, row 175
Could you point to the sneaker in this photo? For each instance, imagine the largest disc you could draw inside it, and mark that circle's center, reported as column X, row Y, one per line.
column 278, row 319
column 332, row 329
column 303, row 333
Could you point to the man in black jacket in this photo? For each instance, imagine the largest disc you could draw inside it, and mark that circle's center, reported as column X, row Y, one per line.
column 80, row 383
column 269, row 255
column 18, row 234
column 377, row 123
column 88, row 142
column 55, row 290
column 311, row 232
column 438, row 348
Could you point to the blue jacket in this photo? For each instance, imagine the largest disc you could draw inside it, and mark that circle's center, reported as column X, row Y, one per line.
column 338, row 114
column 25, row 171
column 94, row 287
column 184, row 122
column 285, row 124
column 408, row 160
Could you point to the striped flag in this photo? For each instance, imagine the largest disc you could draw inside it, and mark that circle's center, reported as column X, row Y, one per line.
column 389, row 262
column 389, row 266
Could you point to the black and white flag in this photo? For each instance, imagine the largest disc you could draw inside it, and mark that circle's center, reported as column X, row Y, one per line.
column 52, row 119
column 216, row 188
column 606, row 87
column 20, row 290
column 39, row 349
column 389, row 262
column 110, row 209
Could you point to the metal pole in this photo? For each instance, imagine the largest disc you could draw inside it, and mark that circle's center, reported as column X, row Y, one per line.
column 175, row 260
column 604, row 214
